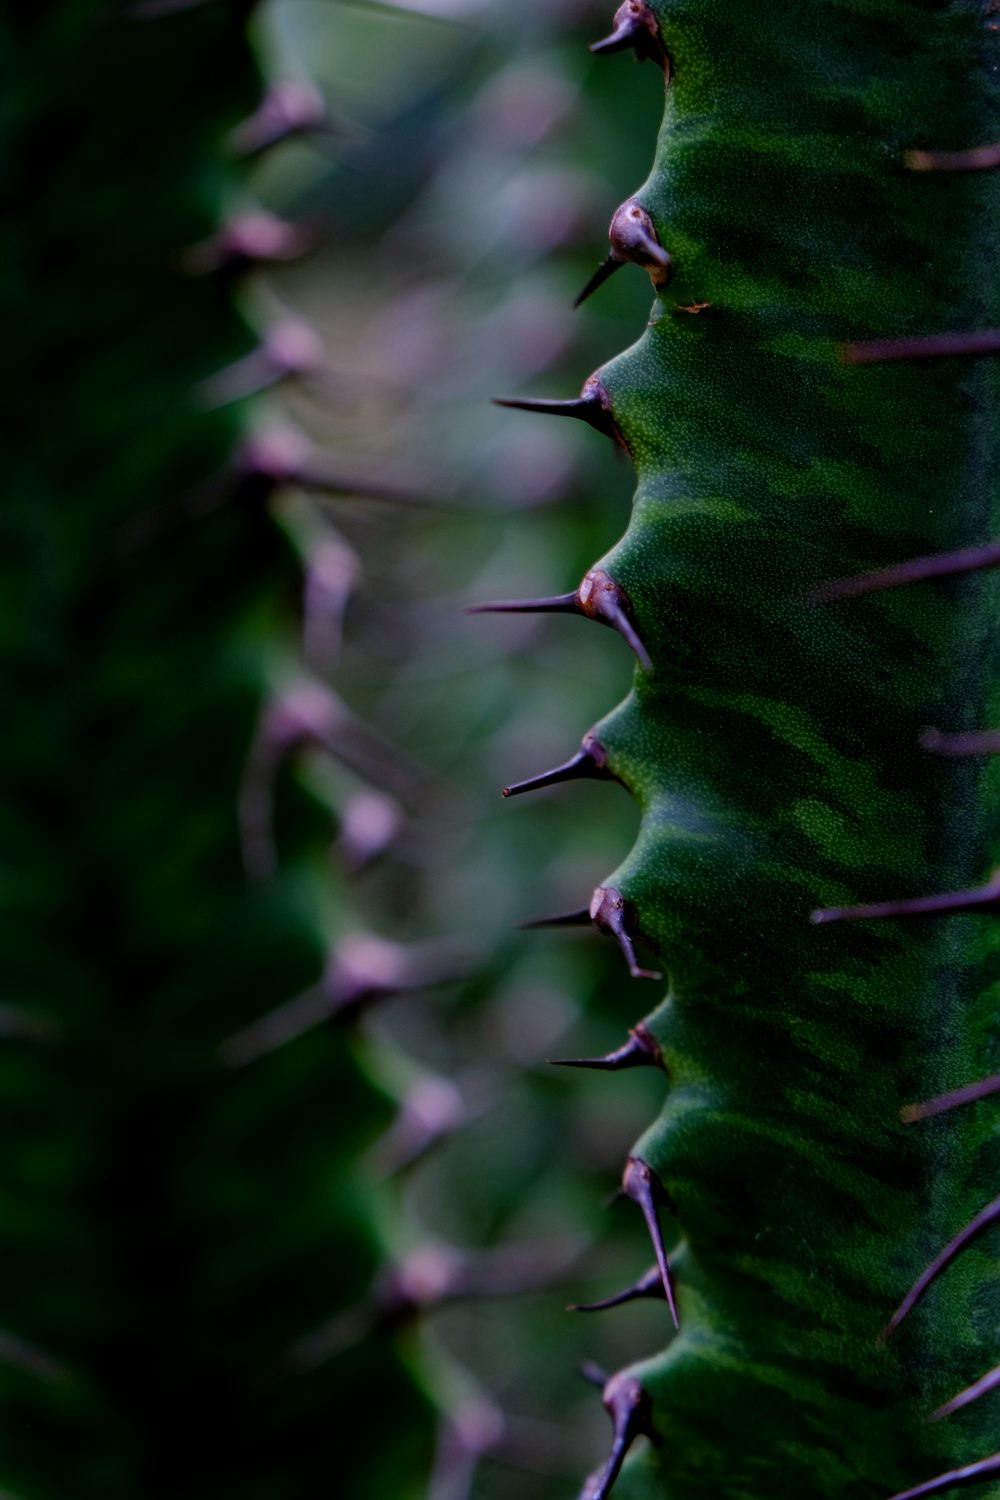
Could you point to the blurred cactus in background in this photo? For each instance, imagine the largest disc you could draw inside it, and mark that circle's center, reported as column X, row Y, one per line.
column 258, row 295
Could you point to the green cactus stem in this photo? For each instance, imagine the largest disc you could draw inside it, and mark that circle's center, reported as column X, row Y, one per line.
column 814, row 877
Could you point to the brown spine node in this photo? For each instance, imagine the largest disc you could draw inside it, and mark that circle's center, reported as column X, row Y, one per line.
column 635, row 27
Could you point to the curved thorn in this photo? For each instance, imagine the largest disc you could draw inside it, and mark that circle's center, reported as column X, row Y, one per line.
column 989, row 1215
column 556, row 604
column 982, row 1387
column 604, row 272
column 640, row 1051
column 630, row 1410
column 290, row 108
column 589, row 763
column 650, row 1285
column 604, row 600
column 976, row 742
column 635, row 27
column 612, row 914
column 983, row 898
column 598, row 598
column 594, row 1374
column 967, row 1095
column 930, row 346
column 641, row 1184
column 917, row 570
column 978, row 159
column 986, row 1468
column 633, row 237
column 593, row 406
column 579, row 918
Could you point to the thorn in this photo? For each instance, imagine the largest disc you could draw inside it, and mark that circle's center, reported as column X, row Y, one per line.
column 290, row 108
column 640, row 1051
column 594, row 1374
column 983, row 898
column 593, row 406
column 589, row 763
column 246, row 241
column 978, row 159
column 604, row 273
column 604, row 600
column 598, row 598
column 981, row 742
column 650, row 1285
column 917, row 570
column 431, row 1109
column 633, row 237
column 612, row 914
column 971, row 1393
column 989, row 1215
column 641, row 1184
column 967, row 1095
column 364, row 969
column 930, row 346
column 291, row 349
column 631, row 1413
column 580, row 918
column 635, row 26
column 557, row 604
column 986, row 1468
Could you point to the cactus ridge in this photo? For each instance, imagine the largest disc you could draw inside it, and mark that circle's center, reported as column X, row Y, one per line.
column 798, row 431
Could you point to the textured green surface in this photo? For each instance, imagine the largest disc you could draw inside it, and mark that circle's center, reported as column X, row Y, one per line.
column 774, row 747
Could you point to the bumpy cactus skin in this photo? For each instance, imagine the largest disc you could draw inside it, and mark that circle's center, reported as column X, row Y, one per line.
column 774, row 747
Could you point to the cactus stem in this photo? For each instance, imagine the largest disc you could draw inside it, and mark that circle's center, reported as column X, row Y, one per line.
column 579, row 918
column 589, row 763
column 630, row 1410
column 967, row 1095
column 650, row 1285
column 635, row 26
column 641, row 1184
column 929, row 346
column 986, row 1468
column 612, row 914
column 987, row 1216
column 916, row 570
column 971, row 1393
column 978, row 742
column 978, row 159
column 598, row 598
column 640, row 1051
column 983, row 898
column 592, row 406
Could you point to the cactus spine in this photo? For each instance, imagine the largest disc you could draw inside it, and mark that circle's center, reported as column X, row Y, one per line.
column 813, row 874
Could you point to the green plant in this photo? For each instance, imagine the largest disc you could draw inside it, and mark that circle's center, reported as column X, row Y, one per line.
column 796, row 446
column 182, row 1205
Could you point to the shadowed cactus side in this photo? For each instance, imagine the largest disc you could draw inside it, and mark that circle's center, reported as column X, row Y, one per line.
column 179, row 1213
column 783, row 740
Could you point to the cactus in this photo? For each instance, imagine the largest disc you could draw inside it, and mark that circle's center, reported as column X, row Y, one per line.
column 805, row 583
column 183, row 1201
